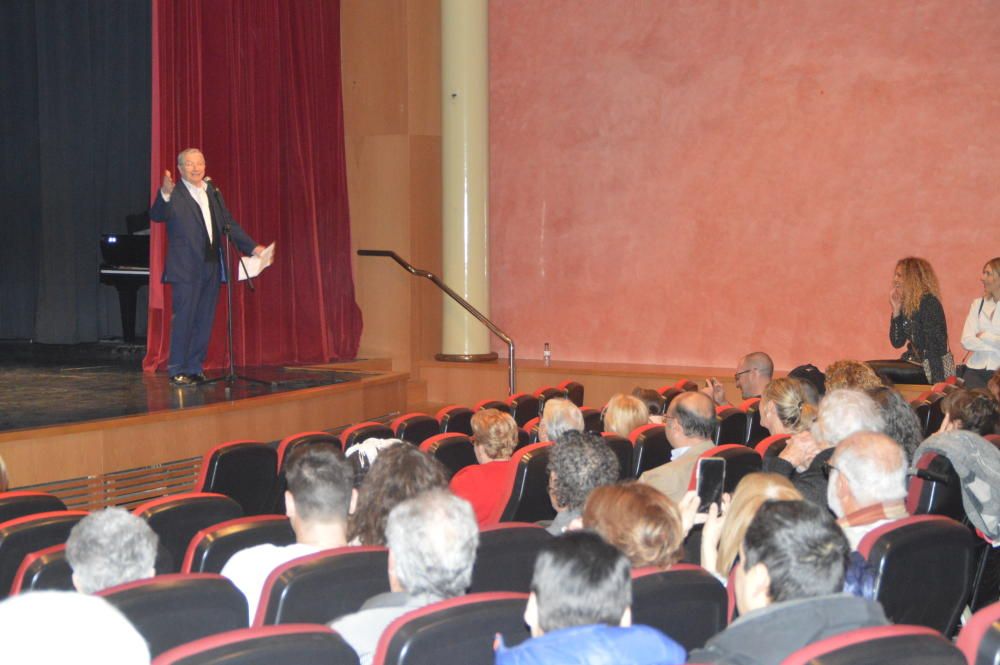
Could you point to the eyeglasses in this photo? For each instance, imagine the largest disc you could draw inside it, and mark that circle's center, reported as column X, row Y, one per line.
column 828, row 469
column 737, row 375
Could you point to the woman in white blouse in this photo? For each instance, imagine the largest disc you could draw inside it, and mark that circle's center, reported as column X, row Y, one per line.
column 981, row 333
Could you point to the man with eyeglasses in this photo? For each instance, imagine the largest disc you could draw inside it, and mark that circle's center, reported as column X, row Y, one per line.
column 753, row 373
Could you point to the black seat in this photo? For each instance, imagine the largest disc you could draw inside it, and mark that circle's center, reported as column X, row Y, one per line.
column 21, row 503
column 21, row 536
column 245, row 471
column 574, row 391
column 492, row 404
column 460, row 630
column 455, row 418
column 924, row 566
column 771, row 446
column 593, row 422
column 669, row 393
column 935, row 489
column 622, row 448
column 505, row 559
column 44, row 570
column 264, row 645
column 452, row 449
column 169, row 610
column 364, row 431
column 415, row 427
column 755, row 431
column 740, row 461
column 547, row 393
column 884, row 645
column 650, row 448
column 529, row 498
column 732, row 427
column 686, row 602
column 177, row 518
column 321, row 587
column 212, row 547
column 523, row 407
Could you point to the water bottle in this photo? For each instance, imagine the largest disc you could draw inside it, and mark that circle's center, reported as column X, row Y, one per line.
column 547, row 355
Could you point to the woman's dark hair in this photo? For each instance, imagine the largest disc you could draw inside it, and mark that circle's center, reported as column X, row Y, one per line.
column 901, row 422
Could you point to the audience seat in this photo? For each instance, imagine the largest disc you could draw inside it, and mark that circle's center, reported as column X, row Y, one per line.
column 755, row 431
column 320, row 587
column 686, row 385
column 177, row 518
column 732, row 426
column 593, row 422
column 505, row 559
column 523, row 439
column 297, row 644
column 994, row 439
column 935, row 489
column 212, row 547
column 772, row 446
column 531, row 428
column 574, row 391
column 546, row 393
column 924, row 569
column 622, row 448
column 459, row 630
column 492, row 404
column 452, row 449
column 686, row 602
column 170, row 610
column 529, row 482
column 650, row 448
column 20, row 503
column 364, row 431
column 523, row 407
column 245, row 471
column 881, row 645
column 286, row 447
column 415, row 427
column 980, row 637
column 21, row 536
column 668, row 393
column 740, row 461
column 44, row 570
column 455, row 418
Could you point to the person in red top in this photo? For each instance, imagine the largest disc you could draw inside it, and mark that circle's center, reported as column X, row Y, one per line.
column 486, row 485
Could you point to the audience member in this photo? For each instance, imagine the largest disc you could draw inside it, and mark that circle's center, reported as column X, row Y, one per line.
column 753, row 373
column 690, row 426
column 901, row 422
column 813, row 378
column 579, row 610
column 362, row 455
column 787, row 406
column 787, row 586
column 841, row 413
column 639, row 520
column 432, row 541
column 485, row 485
column 971, row 410
column 59, row 627
column 559, row 416
column 110, row 547
column 578, row 463
column 654, row 401
column 624, row 413
column 993, row 386
column 399, row 473
column 851, row 375
column 320, row 489
column 867, row 484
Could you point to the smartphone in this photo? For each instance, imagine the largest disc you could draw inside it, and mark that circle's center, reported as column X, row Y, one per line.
column 711, row 478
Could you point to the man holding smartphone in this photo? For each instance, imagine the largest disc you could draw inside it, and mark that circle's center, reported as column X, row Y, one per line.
column 753, row 373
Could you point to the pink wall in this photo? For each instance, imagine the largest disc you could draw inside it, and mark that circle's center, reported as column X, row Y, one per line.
column 681, row 182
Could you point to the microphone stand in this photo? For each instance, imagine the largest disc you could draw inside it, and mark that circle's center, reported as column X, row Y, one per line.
column 231, row 377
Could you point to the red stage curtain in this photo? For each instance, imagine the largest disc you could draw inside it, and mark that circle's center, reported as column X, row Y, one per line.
column 256, row 85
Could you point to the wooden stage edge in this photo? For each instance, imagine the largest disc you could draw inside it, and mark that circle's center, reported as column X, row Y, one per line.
column 99, row 447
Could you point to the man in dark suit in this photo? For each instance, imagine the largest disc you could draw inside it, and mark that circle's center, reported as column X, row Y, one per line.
column 195, row 215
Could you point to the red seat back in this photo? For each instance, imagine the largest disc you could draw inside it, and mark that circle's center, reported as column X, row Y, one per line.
column 885, row 645
column 264, row 645
column 529, row 482
column 212, row 547
column 980, row 637
column 455, row 418
column 245, row 471
column 452, row 449
column 686, row 602
column 21, row 536
column 364, row 431
column 650, row 448
column 177, row 518
column 415, row 427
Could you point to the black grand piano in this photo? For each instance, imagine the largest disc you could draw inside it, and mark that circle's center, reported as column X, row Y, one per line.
column 125, row 266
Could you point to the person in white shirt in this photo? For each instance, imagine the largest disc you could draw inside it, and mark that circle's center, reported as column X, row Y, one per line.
column 981, row 332
column 319, row 496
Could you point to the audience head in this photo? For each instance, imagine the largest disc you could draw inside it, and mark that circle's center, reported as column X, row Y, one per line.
column 753, row 372
column 690, row 418
column 750, row 495
column 432, row 540
column 914, row 278
column 852, row 375
column 494, row 435
column 559, row 416
column 110, row 547
column 787, row 406
column 901, row 422
column 579, row 462
column 867, row 468
column 653, row 400
column 971, row 410
column 579, row 580
column 399, row 473
column 791, row 550
column 844, row 412
column 624, row 413
column 363, row 454
column 639, row 520
column 59, row 627
column 320, row 485
column 812, row 377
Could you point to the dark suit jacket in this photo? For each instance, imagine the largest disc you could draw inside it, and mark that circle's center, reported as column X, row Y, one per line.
column 187, row 239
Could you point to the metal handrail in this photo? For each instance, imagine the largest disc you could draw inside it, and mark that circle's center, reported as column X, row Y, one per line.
column 457, row 298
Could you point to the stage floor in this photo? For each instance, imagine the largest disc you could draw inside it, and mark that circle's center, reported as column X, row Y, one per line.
column 43, row 385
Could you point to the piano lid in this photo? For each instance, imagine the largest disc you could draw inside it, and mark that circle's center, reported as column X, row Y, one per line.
column 125, row 250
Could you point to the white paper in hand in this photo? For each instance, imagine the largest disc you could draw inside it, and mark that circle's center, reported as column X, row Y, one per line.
column 254, row 265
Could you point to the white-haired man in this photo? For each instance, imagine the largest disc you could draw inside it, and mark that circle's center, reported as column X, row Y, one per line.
column 559, row 416
column 110, row 547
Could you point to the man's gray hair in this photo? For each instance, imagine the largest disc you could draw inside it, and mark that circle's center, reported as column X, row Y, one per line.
column 433, row 539
column 842, row 413
column 874, row 466
column 558, row 417
column 110, row 547
column 185, row 152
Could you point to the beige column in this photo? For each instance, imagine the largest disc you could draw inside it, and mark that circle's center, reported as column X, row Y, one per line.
column 465, row 175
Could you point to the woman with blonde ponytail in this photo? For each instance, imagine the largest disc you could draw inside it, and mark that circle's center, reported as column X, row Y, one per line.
column 787, row 407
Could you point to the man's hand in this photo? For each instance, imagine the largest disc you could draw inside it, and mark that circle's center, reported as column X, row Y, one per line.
column 168, row 184
column 715, row 390
column 801, row 450
column 258, row 250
